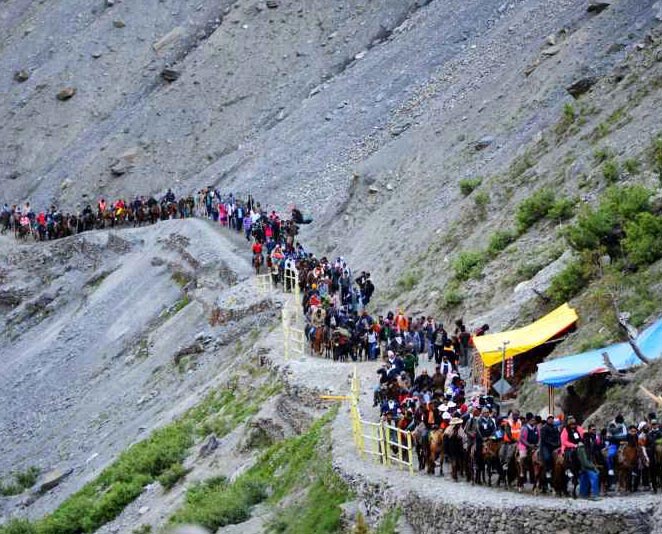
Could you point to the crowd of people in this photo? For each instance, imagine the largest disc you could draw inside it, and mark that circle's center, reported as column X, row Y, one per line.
column 449, row 423
column 550, row 452
column 53, row 223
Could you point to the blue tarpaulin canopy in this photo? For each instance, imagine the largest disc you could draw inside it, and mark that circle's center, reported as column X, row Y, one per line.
column 559, row 372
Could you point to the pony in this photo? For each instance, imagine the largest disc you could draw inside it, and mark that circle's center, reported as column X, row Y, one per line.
column 532, row 465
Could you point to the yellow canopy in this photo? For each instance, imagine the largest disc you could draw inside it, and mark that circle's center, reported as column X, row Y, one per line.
column 526, row 338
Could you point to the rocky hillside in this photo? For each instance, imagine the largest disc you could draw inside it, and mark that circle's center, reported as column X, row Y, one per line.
column 482, row 159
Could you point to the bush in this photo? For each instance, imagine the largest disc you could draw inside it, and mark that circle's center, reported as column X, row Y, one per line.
column 500, row 240
column 601, row 155
column 562, row 209
column 18, row 526
column 468, row 185
column 570, row 281
column 481, row 201
column 632, row 166
column 643, row 239
column 533, row 209
column 22, row 480
column 172, row 475
column 567, row 119
column 602, row 228
column 610, row 171
column 408, row 281
column 468, row 264
column 655, row 152
column 452, row 296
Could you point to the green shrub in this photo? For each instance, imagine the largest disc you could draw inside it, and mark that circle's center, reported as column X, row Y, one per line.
column 500, row 240
column 602, row 154
column 601, row 228
column 467, row 185
column 18, row 526
column 610, row 171
column 570, row 281
column 567, row 119
column 643, row 239
column 481, row 201
column 632, row 166
column 143, row 529
column 468, row 264
column 452, row 296
column 22, row 480
column 533, row 209
column 655, row 155
column 408, row 281
column 562, row 209
column 172, row 475
column 521, row 164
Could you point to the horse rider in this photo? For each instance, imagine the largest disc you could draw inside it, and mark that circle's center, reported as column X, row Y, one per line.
column 617, row 432
column 512, row 427
column 529, row 441
column 169, row 196
column 550, row 440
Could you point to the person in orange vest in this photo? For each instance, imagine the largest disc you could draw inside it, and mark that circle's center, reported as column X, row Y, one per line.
column 512, row 428
column 401, row 322
column 102, row 206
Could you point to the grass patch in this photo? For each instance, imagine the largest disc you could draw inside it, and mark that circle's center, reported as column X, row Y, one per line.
column 172, row 475
column 570, row 281
column 159, row 457
column 481, row 201
column 655, row 156
column 389, row 523
column 181, row 278
column 568, row 117
column 467, row 185
column 600, row 155
column 632, row 166
column 298, row 462
column 499, row 240
column 408, row 281
column 468, row 264
column 611, row 171
column 452, row 296
column 20, row 481
column 534, row 209
column 521, row 164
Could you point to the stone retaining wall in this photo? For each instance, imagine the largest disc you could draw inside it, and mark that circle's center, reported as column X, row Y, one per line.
column 428, row 516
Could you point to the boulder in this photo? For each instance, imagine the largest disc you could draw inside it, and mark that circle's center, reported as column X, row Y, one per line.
column 598, row 6
column 119, row 23
column 52, row 479
column 66, row 93
column 210, row 445
column 272, row 4
column 373, row 190
column 21, row 76
column 483, row 142
column 124, row 162
column 581, row 86
column 170, row 75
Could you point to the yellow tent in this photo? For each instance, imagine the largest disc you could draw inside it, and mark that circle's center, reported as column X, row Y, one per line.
column 524, row 339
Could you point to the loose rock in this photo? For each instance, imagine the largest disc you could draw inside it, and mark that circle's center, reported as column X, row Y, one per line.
column 52, row 479
column 119, row 23
column 66, row 93
column 581, row 86
column 170, row 75
column 597, row 6
column 21, row 76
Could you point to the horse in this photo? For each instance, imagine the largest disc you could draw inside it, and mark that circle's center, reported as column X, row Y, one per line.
column 317, row 340
column 531, row 464
column 656, row 465
column 436, row 450
column 420, row 437
column 258, row 260
column 5, row 218
column 562, row 464
column 491, row 462
column 154, row 213
column 628, row 467
column 454, row 438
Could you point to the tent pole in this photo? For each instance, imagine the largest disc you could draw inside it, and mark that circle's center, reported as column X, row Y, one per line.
column 503, row 368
